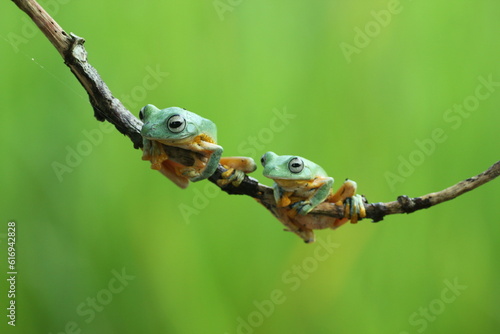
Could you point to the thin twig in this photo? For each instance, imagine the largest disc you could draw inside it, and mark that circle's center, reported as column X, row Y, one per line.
column 404, row 204
column 107, row 107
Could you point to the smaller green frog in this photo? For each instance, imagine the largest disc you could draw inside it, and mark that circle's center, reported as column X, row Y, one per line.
column 301, row 185
column 183, row 146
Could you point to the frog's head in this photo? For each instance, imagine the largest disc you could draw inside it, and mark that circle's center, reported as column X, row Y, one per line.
column 173, row 124
column 289, row 167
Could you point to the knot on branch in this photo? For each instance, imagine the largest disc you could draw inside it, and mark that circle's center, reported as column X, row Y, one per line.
column 377, row 211
column 76, row 52
column 409, row 205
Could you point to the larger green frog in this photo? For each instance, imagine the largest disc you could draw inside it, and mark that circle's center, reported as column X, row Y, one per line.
column 183, row 146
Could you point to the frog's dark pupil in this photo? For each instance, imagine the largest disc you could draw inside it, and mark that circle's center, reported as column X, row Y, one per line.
column 175, row 124
column 296, row 165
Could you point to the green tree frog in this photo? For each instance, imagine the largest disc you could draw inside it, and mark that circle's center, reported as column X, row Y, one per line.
column 183, row 146
column 299, row 186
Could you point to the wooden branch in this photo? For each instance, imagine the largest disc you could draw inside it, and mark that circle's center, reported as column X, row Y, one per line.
column 404, row 204
column 107, row 107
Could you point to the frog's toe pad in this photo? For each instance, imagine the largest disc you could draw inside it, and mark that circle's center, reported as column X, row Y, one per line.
column 354, row 208
column 303, row 207
column 233, row 176
column 190, row 173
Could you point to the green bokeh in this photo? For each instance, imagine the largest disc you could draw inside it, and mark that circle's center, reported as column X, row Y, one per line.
column 358, row 116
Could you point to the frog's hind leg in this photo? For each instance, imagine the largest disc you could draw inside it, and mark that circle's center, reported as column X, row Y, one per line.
column 339, row 222
column 348, row 189
column 354, row 204
column 245, row 164
column 236, row 169
column 170, row 169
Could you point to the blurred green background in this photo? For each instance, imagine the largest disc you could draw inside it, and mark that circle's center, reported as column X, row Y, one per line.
column 359, row 88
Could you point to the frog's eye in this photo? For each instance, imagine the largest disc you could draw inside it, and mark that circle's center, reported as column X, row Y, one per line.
column 141, row 114
column 176, row 123
column 263, row 160
column 296, row 165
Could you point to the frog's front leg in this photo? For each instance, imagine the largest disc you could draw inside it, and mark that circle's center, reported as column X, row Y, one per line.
column 354, row 204
column 281, row 197
column 154, row 152
column 236, row 169
column 324, row 186
column 323, row 191
column 159, row 158
column 214, row 152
